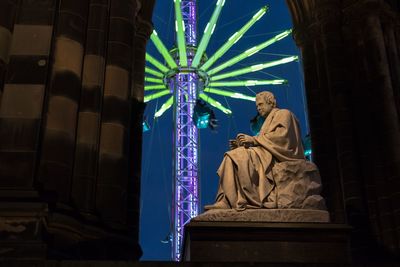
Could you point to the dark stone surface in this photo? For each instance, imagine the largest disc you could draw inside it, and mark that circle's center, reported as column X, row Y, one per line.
column 115, row 110
column 36, row 12
column 26, row 70
column 21, row 230
column 266, row 242
column 7, row 13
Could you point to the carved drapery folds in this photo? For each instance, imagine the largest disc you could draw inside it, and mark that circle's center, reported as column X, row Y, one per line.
column 70, row 120
column 350, row 53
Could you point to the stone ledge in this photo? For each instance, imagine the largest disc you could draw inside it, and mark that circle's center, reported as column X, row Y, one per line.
column 264, row 215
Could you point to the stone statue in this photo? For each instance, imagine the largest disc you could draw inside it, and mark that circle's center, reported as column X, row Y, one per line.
column 268, row 170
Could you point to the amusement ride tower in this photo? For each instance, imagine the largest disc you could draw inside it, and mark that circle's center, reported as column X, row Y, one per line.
column 187, row 76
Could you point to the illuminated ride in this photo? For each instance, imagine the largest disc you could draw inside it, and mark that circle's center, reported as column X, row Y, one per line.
column 188, row 77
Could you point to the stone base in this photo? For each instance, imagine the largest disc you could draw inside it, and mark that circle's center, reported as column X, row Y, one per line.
column 266, row 242
column 264, row 215
column 21, row 228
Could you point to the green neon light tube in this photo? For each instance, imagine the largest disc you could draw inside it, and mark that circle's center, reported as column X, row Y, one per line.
column 163, row 50
column 249, row 52
column 229, row 94
column 208, row 31
column 154, row 87
column 180, row 34
column 247, row 83
column 254, row 68
column 234, row 38
column 215, row 103
column 164, row 107
column 153, row 72
column 156, row 63
column 153, row 80
column 148, row 98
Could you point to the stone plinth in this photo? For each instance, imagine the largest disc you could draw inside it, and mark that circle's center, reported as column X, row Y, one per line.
column 264, row 215
column 248, row 236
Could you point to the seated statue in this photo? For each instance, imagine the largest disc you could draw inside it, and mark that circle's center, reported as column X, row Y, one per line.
column 268, row 170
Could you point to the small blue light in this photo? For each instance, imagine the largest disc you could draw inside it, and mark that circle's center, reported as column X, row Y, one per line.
column 146, row 126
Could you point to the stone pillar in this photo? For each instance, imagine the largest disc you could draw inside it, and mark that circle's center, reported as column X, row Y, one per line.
column 112, row 181
column 329, row 17
column 370, row 25
column 142, row 33
column 69, row 127
column 59, row 127
column 89, row 117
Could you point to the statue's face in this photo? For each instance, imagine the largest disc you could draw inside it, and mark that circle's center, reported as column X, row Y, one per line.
column 263, row 108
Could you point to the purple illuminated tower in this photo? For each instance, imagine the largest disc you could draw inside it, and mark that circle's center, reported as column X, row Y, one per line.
column 185, row 87
column 188, row 76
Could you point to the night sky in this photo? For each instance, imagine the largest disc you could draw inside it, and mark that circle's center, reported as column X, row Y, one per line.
column 157, row 184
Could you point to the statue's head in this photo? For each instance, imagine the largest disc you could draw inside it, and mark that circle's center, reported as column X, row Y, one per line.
column 268, row 97
column 265, row 102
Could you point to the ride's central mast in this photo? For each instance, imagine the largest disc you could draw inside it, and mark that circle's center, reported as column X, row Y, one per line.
column 185, row 87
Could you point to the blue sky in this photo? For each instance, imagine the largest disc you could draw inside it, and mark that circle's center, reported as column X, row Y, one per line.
column 157, row 184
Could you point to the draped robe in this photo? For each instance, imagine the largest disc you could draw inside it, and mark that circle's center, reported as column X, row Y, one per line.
column 246, row 174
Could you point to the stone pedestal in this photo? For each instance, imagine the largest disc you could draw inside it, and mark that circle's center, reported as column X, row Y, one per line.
column 232, row 236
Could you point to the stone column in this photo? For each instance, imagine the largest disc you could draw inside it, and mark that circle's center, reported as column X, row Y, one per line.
column 380, row 128
column 329, row 17
column 143, row 31
column 112, row 181
column 59, row 127
column 89, row 117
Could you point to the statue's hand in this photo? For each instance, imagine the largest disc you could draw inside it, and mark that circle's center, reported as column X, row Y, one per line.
column 245, row 140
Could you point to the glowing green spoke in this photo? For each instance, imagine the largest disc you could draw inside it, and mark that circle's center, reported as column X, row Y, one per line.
column 180, row 33
column 156, row 63
column 254, row 68
column 234, row 38
column 229, row 94
column 153, row 80
column 248, row 83
column 154, row 87
column 249, row 52
column 208, row 31
column 153, row 72
column 215, row 103
column 164, row 107
column 163, row 50
column 147, row 98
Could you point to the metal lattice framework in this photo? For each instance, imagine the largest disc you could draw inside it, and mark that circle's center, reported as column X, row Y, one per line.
column 186, row 75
